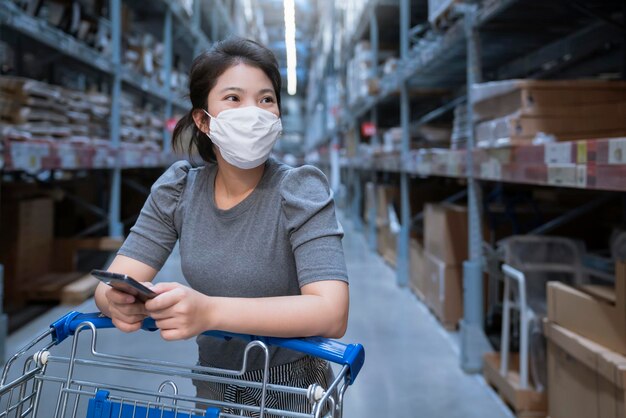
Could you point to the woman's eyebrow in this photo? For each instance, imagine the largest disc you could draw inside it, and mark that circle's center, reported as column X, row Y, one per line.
column 263, row 91
column 239, row 89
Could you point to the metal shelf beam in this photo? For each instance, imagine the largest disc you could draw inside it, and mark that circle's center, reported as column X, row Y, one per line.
column 590, row 164
column 116, row 229
column 41, row 31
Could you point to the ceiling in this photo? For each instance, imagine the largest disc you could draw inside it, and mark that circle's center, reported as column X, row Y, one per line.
column 306, row 18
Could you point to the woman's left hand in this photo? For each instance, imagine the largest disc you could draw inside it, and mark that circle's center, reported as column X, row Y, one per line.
column 179, row 311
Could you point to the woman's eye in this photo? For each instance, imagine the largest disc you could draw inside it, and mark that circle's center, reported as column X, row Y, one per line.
column 231, row 98
column 267, row 100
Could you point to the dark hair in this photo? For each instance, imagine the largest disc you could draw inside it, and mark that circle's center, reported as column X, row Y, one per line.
column 206, row 69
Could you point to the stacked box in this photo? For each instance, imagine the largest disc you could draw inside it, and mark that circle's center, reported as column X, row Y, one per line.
column 594, row 312
column 516, row 112
column 392, row 139
column 26, row 242
column 35, row 107
column 386, row 197
column 586, row 380
column 417, row 262
column 84, row 21
column 140, row 125
column 40, row 111
column 586, row 332
column 359, row 74
column 445, row 250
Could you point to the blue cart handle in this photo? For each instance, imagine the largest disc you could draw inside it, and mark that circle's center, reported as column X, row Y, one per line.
column 351, row 355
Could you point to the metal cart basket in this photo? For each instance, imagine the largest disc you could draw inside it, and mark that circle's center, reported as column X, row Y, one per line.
column 39, row 382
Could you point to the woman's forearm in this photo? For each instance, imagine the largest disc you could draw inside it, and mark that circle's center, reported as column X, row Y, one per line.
column 100, row 299
column 285, row 316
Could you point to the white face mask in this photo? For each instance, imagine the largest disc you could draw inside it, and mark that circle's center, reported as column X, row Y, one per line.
column 245, row 136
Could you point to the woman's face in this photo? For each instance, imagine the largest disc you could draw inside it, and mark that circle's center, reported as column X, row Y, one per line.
column 241, row 86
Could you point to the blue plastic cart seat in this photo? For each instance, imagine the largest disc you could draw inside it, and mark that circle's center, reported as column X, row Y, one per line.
column 101, row 407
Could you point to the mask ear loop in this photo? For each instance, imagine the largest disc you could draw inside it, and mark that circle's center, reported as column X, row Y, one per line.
column 209, row 121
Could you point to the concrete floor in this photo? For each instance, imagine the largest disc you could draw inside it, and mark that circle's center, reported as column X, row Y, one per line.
column 411, row 367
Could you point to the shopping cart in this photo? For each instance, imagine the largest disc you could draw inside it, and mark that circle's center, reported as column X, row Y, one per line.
column 50, row 384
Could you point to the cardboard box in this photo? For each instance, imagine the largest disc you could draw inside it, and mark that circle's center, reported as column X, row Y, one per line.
column 611, row 119
column 416, row 257
column 369, row 202
column 443, row 285
column 387, row 245
column 591, row 316
column 445, row 232
column 585, row 379
column 385, row 195
column 540, row 97
column 26, row 242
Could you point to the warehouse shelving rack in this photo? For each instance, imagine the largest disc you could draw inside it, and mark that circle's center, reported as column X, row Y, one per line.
column 456, row 57
column 181, row 22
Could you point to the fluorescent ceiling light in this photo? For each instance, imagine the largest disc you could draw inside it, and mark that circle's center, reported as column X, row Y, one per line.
column 247, row 10
column 290, row 46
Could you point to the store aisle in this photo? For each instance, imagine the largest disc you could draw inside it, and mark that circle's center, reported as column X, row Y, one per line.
column 411, row 363
column 411, row 367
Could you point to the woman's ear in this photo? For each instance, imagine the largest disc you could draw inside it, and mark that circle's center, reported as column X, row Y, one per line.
column 201, row 120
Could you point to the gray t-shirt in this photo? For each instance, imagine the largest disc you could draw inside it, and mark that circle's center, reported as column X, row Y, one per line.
column 284, row 235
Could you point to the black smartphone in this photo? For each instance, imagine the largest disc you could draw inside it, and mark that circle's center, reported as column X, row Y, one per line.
column 124, row 283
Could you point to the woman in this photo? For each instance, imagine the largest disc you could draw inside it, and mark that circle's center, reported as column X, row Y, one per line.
column 259, row 241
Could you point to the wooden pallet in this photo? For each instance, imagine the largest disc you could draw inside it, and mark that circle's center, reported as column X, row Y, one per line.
column 525, row 403
column 50, row 286
column 79, row 291
column 66, row 288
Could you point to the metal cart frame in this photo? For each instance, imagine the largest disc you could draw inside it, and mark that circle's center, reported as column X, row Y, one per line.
column 21, row 396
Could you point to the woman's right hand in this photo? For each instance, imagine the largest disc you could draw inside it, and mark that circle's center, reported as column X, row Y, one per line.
column 125, row 310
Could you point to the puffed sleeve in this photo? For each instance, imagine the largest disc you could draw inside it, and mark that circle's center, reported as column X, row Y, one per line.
column 155, row 233
column 315, row 234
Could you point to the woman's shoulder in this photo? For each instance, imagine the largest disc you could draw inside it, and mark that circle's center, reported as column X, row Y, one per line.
column 304, row 183
column 174, row 179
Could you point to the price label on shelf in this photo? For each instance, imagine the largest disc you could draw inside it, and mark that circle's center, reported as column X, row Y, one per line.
column 617, row 151
column 581, row 176
column 68, row 155
column 28, row 156
column 563, row 175
column 491, row 170
column 581, row 152
column 558, row 153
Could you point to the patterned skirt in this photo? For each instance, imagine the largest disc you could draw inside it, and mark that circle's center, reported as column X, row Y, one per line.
column 300, row 373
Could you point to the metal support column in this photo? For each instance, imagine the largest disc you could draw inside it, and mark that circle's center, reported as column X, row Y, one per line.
column 374, row 42
column 372, row 229
column 116, row 228
column 473, row 340
column 197, row 48
column 215, row 31
column 402, row 264
column 167, row 75
column 335, row 169
column 3, row 319
column 357, row 191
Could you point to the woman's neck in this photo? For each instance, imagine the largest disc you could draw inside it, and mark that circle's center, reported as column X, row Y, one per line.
column 233, row 184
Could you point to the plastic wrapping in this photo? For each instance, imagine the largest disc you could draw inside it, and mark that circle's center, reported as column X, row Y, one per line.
column 542, row 259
